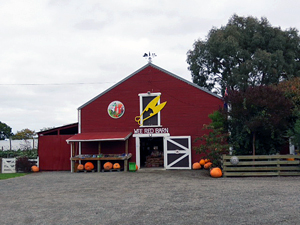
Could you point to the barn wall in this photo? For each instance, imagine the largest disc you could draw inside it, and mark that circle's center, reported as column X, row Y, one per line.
column 54, row 153
column 186, row 111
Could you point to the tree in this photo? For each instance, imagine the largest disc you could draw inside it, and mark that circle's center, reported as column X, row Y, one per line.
column 24, row 134
column 296, row 133
column 5, row 131
column 246, row 52
column 291, row 89
column 259, row 119
column 46, row 128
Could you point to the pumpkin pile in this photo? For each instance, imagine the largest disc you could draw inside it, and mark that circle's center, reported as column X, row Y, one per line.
column 203, row 163
column 206, row 164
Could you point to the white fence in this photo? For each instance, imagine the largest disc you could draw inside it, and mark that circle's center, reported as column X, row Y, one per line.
column 9, row 164
column 18, row 144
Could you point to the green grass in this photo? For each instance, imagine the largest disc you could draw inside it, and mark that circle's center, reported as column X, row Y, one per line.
column 11, row 175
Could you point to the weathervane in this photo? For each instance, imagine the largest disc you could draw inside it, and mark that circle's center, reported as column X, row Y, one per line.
column 149, row 56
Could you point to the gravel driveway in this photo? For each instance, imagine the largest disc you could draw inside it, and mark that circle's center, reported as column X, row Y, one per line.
column 148, row 197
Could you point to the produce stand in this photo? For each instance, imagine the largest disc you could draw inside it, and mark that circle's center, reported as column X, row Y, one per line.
column 99, row 158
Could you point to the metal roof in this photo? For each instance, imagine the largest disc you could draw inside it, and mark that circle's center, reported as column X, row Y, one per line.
column 58, row 128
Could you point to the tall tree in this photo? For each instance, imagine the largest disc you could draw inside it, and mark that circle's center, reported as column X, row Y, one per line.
column 259, row 119
column 246, row 52
column 5, row 131
column 24, row 134
column 291, row 89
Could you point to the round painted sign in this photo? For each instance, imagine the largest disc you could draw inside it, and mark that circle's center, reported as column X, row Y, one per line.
column 116, row 109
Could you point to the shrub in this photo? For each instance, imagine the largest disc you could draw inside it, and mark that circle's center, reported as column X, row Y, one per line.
column 214, row 144
column 23, row 164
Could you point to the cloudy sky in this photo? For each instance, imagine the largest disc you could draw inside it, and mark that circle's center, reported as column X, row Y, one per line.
column 55, row 55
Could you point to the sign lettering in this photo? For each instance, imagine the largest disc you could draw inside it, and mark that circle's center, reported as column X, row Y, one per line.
column 159, row 130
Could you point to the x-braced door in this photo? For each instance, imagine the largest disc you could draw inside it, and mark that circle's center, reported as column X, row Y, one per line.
column 177, row 152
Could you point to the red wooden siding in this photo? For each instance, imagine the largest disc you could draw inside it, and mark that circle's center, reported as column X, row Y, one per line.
column 53, row 150
column 54, row 153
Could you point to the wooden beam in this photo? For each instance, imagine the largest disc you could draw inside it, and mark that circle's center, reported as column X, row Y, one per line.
column 126, row 152
column 126, row 146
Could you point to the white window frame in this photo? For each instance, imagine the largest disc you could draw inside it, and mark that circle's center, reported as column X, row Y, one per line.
column 149, row 94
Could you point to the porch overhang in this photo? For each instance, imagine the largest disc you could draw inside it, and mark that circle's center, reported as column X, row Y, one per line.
column 99, row 136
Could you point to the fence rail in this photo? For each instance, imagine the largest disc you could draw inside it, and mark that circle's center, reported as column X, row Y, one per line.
column 262, row 165
column 9, row 164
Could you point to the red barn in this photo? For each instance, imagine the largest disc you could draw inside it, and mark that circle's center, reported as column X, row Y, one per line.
column 152, row 114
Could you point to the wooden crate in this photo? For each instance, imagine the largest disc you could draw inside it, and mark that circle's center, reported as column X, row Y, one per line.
column 262, row 165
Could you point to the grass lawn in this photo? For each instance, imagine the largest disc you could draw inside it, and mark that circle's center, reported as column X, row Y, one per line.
column 11, row 175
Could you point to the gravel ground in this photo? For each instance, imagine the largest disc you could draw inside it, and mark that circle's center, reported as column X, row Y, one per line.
column 148, row 197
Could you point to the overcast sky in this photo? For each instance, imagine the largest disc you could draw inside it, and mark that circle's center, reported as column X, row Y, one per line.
column 56, row 55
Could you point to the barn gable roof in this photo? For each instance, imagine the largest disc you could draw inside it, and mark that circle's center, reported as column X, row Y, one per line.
column 142, row 68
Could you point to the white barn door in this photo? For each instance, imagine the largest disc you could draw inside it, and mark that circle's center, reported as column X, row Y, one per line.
column 177, row 152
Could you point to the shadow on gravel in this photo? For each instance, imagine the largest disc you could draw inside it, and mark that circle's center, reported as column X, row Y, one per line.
column 199, row 174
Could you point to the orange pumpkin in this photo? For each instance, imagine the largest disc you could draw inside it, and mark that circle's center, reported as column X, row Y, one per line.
column 80, row 167
column 35, row 169
column 116, row 166
column 290, row 159
column 216, row 172
column 202, row 162
column 136, row 168
column 108, row 166
column 207, row 165
column 89, row 166
column 196, row 166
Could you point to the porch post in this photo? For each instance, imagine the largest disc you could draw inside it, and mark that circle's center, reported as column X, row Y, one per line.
column 98, row 161
column 72, row 154
column 126, row 152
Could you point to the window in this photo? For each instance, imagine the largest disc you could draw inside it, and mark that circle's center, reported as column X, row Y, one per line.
column 149, row 117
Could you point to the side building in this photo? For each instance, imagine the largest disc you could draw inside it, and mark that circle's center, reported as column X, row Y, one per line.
column 53, row 150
